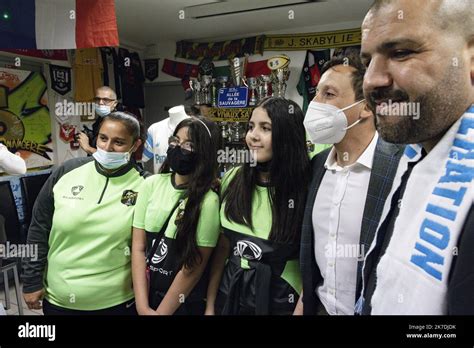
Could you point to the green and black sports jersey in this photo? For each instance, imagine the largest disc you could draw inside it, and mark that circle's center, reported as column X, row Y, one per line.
column 159, row 195
column 158, row 202
column 262, row 224
column 82, row 222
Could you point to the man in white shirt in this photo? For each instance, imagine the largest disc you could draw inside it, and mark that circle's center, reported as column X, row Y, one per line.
column 11, row 163
column 349, row 186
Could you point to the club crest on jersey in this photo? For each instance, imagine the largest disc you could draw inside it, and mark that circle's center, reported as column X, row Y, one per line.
column 129, row 197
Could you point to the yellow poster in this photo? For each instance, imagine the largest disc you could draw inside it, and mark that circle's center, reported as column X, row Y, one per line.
column 301, row 42
column 25, row 123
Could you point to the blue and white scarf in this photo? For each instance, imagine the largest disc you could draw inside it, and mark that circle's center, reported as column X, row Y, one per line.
column 412, row 275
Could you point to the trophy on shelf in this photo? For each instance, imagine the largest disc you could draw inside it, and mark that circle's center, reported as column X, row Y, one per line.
column 237, row 70
column 224, row 133
column 214, row 90
column 252, row 84
column 222, row 81
column 279, row 65
column 263, row 89
column 206, row 81
column 195, row 85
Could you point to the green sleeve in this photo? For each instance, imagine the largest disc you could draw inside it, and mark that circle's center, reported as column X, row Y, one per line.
column 227, row 178
column 209, row 223
column 142, row 203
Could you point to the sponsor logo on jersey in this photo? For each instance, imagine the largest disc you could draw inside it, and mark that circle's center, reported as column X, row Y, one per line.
column 161, row 252
column 75, row 190
column 248, row 250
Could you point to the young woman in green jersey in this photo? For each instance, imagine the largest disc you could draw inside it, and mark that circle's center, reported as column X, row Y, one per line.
column 179, row 213
column 81, row 224
column 261, row 215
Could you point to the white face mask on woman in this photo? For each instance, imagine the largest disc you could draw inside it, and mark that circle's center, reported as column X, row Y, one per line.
column 326, row 123
column 111, row 160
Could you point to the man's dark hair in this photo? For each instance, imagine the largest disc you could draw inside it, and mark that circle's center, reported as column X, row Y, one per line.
column 357, row 75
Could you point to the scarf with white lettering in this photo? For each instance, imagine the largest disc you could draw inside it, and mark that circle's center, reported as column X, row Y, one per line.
column 412, row 275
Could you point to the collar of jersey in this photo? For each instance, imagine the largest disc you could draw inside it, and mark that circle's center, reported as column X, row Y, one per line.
column 124, row 170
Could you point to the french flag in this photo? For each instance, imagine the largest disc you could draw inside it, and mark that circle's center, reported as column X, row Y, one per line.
column 57, row 24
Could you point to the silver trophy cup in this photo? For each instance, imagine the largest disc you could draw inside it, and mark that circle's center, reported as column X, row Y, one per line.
column 279, row 78
column 195, row 85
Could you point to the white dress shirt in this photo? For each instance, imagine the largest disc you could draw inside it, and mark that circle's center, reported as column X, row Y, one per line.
column 337, row 219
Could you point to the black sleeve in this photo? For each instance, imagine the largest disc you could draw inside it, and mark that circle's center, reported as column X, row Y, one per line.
column 41, row 221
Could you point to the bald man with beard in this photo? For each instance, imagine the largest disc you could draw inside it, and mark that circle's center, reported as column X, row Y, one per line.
column 419, row 83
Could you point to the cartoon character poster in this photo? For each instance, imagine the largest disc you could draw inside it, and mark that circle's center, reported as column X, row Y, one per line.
column 25, row 123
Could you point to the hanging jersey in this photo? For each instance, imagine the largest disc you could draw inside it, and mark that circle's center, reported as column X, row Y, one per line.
column 87, row 70
column 131, row 79
column 156, row 143
column 111, row 75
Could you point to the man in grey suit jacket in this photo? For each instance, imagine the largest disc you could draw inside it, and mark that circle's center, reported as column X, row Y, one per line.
column 350, row 182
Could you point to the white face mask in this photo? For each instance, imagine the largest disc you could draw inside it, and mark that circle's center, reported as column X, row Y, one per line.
column 102, row 110
column 111, row 160
column 327, row 124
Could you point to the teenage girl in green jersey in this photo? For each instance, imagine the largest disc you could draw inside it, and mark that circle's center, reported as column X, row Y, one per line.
column 255, row 269
column 179, row 212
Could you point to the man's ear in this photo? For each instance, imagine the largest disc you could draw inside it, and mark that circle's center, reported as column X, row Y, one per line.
column 365, row 111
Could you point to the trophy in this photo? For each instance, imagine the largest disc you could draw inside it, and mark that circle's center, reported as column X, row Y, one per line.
column 214, row 93
column 235, row 132
column 237, row 70
column 263, row 89
column 206, row 81
column 196, row 87
column 279, row 78
column 279, row 65
column 223, row 81
column 252, row 84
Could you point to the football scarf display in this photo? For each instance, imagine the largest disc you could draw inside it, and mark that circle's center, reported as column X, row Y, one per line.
column 222, row 50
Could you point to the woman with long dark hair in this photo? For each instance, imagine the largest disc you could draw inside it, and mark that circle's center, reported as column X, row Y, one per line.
column 262, row 207
column 179, row 212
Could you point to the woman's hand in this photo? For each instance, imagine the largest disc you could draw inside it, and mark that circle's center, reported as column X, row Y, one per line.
column 33, row 299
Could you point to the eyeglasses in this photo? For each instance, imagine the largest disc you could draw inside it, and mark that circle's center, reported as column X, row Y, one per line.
column 106, row 101
column 186, row 147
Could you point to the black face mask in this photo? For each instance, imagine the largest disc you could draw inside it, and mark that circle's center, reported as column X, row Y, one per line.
column 181, row 163
column 263, row 167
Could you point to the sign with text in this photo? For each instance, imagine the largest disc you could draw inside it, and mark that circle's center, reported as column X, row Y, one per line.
column 234, row 97
column 230, row 115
